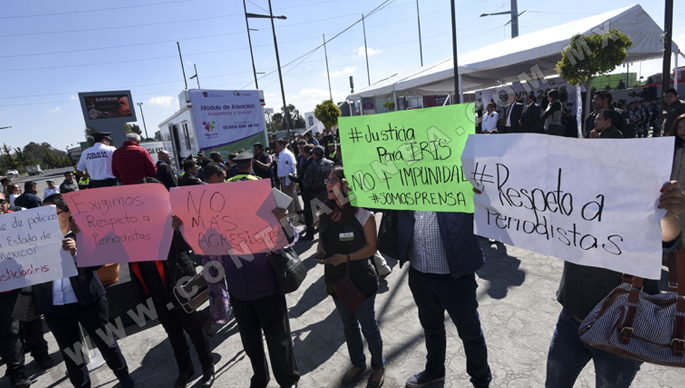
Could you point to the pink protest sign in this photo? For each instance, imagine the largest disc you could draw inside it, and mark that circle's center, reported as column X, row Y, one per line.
column 121, row 224
column 228, row 218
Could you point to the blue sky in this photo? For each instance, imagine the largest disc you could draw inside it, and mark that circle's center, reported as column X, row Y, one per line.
column 52, row 50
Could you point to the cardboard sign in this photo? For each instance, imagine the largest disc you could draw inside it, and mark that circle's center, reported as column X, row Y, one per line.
column 408, row 160
column 31, row 249
column 121, row 224
column 588, row 201
column 229, row 218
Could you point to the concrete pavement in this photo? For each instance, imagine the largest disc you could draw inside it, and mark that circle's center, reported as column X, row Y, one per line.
column 518, row 310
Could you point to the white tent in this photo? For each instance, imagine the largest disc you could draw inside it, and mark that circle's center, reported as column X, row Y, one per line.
column 520, row 58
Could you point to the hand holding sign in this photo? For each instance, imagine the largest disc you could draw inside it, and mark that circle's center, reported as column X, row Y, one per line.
column 122, row 223
column 31, row 249
column 228, row 218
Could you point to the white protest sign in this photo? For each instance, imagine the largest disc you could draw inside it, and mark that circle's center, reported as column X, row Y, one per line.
column 31, row 249
column 588, row 201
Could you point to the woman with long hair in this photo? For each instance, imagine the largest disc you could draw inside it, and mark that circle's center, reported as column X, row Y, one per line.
column 79, row 299
column 347, row 244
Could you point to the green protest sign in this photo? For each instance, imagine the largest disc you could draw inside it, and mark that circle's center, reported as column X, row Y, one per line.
column 409, row 160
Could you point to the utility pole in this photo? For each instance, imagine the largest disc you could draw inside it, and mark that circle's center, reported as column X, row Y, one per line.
column 366, row 51
column 325, row 53
column 286, row 114
column 418, row 19
column 454, row 54
column 249, row 40
column 666, row 69
column 140, row 105
column 182, row 68
column 197, row 77
column 514, row 12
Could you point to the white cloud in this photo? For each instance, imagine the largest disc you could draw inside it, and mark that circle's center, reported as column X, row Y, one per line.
column 73, row 98
column 56, row 110
column 370, row 51
column 163, row 101
column 348, row 70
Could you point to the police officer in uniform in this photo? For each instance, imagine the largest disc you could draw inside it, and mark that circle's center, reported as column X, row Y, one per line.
column 98, row 161
column 244, row 163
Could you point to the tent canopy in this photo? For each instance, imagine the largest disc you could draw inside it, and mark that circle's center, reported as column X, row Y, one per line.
column 507, row 61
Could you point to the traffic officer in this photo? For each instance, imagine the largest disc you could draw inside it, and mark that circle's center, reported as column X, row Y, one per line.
column 244, row 163
column 98, row 161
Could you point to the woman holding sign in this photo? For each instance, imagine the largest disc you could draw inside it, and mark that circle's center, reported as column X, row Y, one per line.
column 78, row 299
column 347, row 243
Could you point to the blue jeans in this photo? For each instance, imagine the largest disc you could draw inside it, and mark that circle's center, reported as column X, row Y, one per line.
column 433, row 294
column 568, row 355
column 366, row 316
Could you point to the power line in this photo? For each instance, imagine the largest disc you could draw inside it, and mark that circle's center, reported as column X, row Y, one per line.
column 95, row 10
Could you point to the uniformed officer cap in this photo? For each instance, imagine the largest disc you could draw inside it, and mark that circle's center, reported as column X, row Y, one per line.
column 244, row 156
column 98, row 136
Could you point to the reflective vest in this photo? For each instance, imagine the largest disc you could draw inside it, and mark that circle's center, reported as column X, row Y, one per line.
column 243, row 177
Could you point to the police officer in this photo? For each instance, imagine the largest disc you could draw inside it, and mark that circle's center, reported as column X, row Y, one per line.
column 244, row 163
column 98, row 161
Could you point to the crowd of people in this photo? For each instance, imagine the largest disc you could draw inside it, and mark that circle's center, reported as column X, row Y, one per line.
column 440, row 247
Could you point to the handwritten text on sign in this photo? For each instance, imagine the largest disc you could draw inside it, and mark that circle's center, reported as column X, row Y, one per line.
column 228, row 218
column 590, row 202
column 409, row 160
column 121, row 224
column 31, row 249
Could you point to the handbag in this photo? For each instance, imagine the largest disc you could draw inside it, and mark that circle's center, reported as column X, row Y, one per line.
column 23, row 307
column 346, row 291
column 556, row 129
column 640, row 326
column 387, row 242
column 192, row 294
column 288, row 268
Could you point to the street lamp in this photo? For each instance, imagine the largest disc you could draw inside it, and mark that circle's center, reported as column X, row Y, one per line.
column 514, row 17
column 278, row 60
column 140, row 104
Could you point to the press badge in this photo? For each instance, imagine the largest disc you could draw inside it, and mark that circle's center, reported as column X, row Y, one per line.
column 347, row 236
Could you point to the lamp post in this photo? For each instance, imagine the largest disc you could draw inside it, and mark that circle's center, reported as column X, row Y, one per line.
column 514, row 12
column 140, row 104
column 278, row 61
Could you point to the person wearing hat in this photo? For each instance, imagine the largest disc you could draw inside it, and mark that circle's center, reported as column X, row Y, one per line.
column 98, row 161
column 51, row 189
column 244, row 164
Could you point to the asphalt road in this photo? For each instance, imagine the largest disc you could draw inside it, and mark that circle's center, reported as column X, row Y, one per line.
column 56, row 174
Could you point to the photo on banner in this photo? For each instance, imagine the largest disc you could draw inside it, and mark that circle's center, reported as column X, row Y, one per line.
column 589, row 202
column 409, row 160
column 229, row 218
column 121, row 224
column 31, row 249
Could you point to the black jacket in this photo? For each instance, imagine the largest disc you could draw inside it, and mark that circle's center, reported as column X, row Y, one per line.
column 86, row 285
column 165, row 175
column 514, row 117
column 188, row 180
column 618, row 118
column 530, row 119
column 611, row 133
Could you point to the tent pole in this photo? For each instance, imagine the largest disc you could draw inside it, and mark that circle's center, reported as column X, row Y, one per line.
column 349, row 106
column 666, row 68
column 579, row 111
column 394, row 97
column 461, row 88
column 675, row 76
column 454, row 52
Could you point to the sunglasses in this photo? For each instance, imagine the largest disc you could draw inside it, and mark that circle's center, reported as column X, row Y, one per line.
column 3, row 201
column 331, row 181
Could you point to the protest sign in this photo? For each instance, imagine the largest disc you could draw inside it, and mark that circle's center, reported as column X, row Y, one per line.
column 408, row 160
column 590, row 202
column 121, row 224
column 31, row 249
column 229, row 218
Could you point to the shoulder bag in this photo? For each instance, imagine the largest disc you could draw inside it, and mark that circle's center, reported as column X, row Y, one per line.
column 192, row 294
column 387, row 242
column 346, row 291
column 288, row 268
column 23, row 307
column 640, row 326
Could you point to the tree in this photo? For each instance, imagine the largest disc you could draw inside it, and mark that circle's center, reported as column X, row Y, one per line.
column 277, row 122
column 158, row 135
column 590, row 55
column 650, row 80
column 389, row 105
column 89, row 132
column 621, row 85
column 327, row 112
column 22, row 159
column 8, row 162
column 128, row 128
column 296, row 119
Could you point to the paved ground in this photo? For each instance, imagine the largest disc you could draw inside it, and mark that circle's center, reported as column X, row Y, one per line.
column 517, row 306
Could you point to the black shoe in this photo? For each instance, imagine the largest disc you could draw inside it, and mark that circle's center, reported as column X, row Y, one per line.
column 44, row 361
column 422, row 379
column 184, row 376
column 20, row 381
column 307, row 237
column 208, row 377
column 349, row 379
column 127, row 381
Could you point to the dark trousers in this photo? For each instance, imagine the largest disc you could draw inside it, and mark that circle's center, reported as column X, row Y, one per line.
column 63, row 322
column 433, row 295
column 11, row 349
column 32, row 336
column 308, row 215
column 177, row 321
column 94, row 184
column 269, row 314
